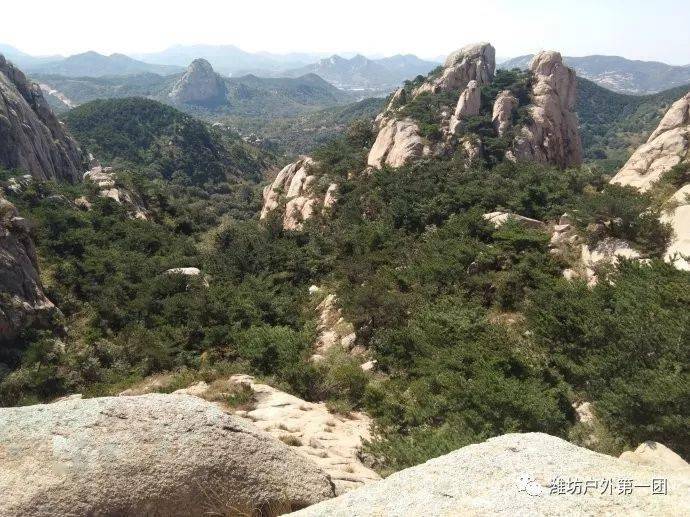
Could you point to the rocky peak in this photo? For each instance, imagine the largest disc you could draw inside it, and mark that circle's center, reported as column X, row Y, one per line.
column 200, row 84
column 31, row 137
column 473, row 62
column 551, row 136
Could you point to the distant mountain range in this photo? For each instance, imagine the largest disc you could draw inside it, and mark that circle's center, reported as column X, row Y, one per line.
column 93, row 64
column 228, row 59
column 361, row 73
column 620, row 74
column 247, row 96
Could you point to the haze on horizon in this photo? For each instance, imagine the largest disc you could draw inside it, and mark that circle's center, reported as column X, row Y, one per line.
column 635, row 29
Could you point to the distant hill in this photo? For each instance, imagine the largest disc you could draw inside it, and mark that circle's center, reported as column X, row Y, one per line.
column 227, row 59
column 619, row 74
column 146, row 132
column 361, row 73
column 613, row 124
column 93, row 64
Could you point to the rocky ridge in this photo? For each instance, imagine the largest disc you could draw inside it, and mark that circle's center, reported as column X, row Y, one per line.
column 200, row 84
column 31, row 137
column 148, row 455
column 549, row 135
column 519, row 474
column 22, row 301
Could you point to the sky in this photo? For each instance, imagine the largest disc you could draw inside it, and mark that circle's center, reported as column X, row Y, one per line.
column 636, row 29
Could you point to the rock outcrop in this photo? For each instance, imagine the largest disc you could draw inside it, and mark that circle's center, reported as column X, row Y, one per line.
column 106, row 181
column 331, row 441
column 518, row 474
column 172, row 455
column 475, row 62
column 551, row 136
column 294, row 185
column 502, row 116
column 332, row 329
column 469, row 103
column 668, row 146
column 498, row 219
column 200, row 84
column 31, row 137
column 190, row 272
column 22, row 300
column 607, row 252
column 398, row 142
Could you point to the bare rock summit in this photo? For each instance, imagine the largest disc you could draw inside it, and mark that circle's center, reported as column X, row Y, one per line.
column 200, row 85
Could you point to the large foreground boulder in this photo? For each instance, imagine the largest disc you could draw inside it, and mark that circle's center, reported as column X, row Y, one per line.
column 151, row 455
column 519, row 474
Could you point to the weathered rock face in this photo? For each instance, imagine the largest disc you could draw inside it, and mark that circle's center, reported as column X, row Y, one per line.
column 172, row 455
column 31, row 137
column 469, row 103
column 294, row 185
column 200, row 84
column 106, row 180
column 397, row 143
column 552, row 136
column 330, row 441
column 476, row 62
column 502, row 116
column 667, row 146
column 22, row 300
column 514, row 475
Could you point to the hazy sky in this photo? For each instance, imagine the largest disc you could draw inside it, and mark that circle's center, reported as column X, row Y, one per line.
column 637, row 29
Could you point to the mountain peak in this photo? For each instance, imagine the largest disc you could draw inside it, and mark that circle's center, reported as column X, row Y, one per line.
column 200, row 84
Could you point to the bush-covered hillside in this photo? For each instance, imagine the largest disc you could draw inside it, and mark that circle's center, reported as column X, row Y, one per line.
column 146, row 133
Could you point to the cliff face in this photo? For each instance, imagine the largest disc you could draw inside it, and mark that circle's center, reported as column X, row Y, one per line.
column 551, row 136
column 667, row 147
column 31, row 137
column 22, row 300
